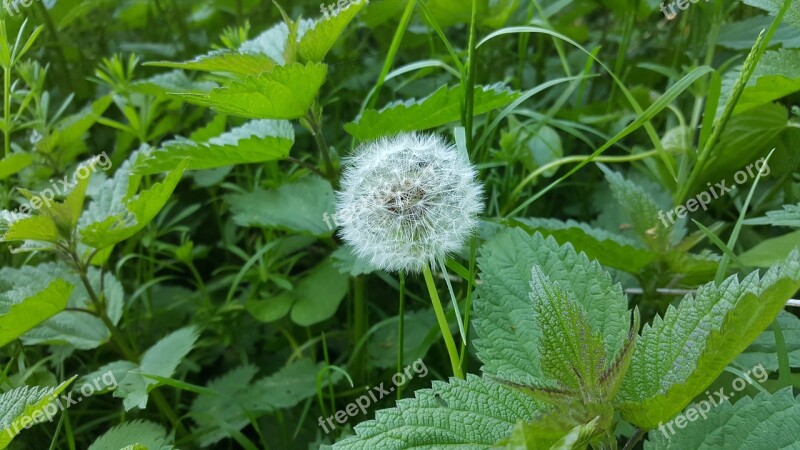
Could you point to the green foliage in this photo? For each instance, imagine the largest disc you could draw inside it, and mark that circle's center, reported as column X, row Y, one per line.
column 24, row 406
column 138, row 433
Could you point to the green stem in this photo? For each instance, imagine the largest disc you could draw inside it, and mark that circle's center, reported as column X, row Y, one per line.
column 372, row 97
column 7, row 111
column 469, row 89
column 360, row 323
column 324, row 150
column 400, row 332
column 452, row 351
column 784, row 369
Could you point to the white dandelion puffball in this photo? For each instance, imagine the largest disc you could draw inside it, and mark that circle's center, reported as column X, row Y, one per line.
column 407, row 200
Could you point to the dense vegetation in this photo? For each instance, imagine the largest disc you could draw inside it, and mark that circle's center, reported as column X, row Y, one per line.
column 399, row 224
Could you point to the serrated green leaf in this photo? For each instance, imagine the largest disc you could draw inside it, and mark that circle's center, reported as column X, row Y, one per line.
column 572, row 354
column 316, row 37
column 217, row 414
column 256, row 141
column 678, row 356
column 789, row 217
column 72, row 128
column 29, row 296
column 469, row 414
column 570, row 427
column 299, row 206
column 169, row 82
column 23, row 227
column 287, row 92
column 508, row 332
column 607, row 248
column 643, row 210
column 764, row 422
column 228, row 61
column 117, row 212
column 23, row 406
column 776, row 76
column 161, row 359
column 77, row 328
column 792, row 16
column 439, row 108
column 138, row 433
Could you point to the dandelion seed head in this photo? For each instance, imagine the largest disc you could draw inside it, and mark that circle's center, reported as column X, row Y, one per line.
column 408, row 200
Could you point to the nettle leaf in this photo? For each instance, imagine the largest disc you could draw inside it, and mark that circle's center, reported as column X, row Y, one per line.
column 316, row 37
column 29, row 296
column 136, row 433
column 161, row 360
column 299, row 206
column 228, row 61
column 764, row 422
column 642, row 208
column 789, row 217
column 287, row 92
column 174, row 81
column 77, row 328
column 23, row 406
column 216, row 415
column 253, row 142
column 569, row 427
column 792, row 16
column 677, row 357
column 440, row 108
column 117, row 212
column 509, row 333
column 763, row 351
column 466, row 414
column 609, row 249
column 572, row 354
column 24, row 227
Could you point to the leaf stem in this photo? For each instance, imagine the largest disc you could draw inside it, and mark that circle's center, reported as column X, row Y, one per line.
column 443, row 325
column 400, row 332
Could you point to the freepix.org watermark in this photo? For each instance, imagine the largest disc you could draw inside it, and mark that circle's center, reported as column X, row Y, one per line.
column 101, row 383
column 63, row 186
column 702, row 199
column 701, row 408
column 362, row 404
column 12, row 6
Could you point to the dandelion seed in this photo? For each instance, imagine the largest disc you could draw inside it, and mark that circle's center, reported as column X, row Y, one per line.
column 407, row 201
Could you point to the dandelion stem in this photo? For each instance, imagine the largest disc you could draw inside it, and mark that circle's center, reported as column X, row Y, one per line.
column 442, row 319
column 443, row 268
column 400, row 331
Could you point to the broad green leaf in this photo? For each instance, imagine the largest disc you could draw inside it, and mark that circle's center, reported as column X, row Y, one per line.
column 14, row 163
column 677, row 357
column 572, row 427
column 792, row 16
column 509, row 334
column 318, row 294
column 107, row 376
column 609, row 249
column 169, row 82
column 24, row 406
column 318, row 36
column 23, row 227
column 764, row 422
column 300, row 206
column 776, row 76
column 161, row 359
column 762, row 352
column 216, row 414
column 469, row 414
column 416, row 330
column 116, row 213
column 256, row 141
column 139, row 433
column 77, row 328
column 439, row 108
column 741, row 35
column 771, row 251
column 288, row 386
column 287, row 92
column 29, row 296
column 789, row 217
column 228, row 61
column 572, row 353
column 644, row 212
